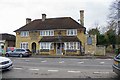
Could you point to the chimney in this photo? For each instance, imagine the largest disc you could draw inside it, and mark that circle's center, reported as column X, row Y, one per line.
column 43, row 17
column 82, row 17
column 28, row 20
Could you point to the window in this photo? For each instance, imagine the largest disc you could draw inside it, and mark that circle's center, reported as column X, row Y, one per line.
column 78, row 45
column 24, row 34
column 72, row 45
column 47, row 33
column 72, row 32
column 89, row 40
column 22, row 50
column 17, row 50
column 24, row 45
column 52, row 46
column 45, row 45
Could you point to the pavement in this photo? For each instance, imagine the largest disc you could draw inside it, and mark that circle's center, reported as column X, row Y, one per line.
column 79, row 57
column 107, row 56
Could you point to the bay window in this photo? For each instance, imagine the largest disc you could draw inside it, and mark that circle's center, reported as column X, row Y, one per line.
column 45, row 45
column 72, row 45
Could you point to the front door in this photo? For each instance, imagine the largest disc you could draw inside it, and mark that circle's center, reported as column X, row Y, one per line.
column 59, row 48
column 34, row 47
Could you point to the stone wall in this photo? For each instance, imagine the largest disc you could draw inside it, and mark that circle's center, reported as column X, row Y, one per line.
column 100, row 51
column 90, row 46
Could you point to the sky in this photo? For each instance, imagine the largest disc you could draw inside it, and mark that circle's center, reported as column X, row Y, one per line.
column 13, row 13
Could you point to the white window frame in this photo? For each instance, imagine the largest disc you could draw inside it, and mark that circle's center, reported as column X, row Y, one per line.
column 71, row 32
column 24, row 45
column 47, row 33
column 24, row 33
column 45, row 45
column 72, row 46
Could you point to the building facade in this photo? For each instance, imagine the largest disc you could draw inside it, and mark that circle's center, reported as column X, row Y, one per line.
column 6, row 41
column 54, row 36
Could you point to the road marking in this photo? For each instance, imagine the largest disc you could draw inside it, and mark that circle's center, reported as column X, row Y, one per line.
column 17, row 68
column 27, row 60
column 81, row 62
column 53, row 70
column 44, row 61
column 102, row 62
column 74, row 71
column 61, row 62
column 108, row 59
column 100, row 72
column 34, row 69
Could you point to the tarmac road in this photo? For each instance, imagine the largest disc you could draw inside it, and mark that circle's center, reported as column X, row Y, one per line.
column 60, row 68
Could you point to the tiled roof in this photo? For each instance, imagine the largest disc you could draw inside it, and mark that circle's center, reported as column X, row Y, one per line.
column 8, row 37
column 51, row 23
column 59, row 39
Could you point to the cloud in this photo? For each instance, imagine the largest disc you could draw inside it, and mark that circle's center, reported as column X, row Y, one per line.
column 14, row 12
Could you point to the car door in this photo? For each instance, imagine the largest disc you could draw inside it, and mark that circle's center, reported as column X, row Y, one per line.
column 12, row 53
column 17, row 52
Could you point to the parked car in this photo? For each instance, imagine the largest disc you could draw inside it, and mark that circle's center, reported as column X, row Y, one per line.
column 5, row 63
column 116, row 64
column 19, row 52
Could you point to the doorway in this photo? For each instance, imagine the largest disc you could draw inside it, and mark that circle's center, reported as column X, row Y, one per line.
column 34, row 47
column 59, row 47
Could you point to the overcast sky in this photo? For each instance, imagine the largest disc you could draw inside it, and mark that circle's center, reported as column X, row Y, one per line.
column 13, row 13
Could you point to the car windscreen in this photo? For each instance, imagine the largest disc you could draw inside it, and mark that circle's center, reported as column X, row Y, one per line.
column 118, row 57
column 28, row 50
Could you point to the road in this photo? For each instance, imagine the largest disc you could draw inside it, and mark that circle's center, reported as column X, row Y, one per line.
column 60, row 68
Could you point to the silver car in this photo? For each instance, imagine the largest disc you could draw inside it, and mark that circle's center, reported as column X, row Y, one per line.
column 5, row 63
column 19, row 53
column 116, row 64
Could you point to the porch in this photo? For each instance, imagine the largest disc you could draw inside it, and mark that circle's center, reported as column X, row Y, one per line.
column 66, row 45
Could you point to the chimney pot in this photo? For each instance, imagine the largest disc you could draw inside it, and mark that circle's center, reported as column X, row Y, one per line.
column 28, row 20
column 43, row 17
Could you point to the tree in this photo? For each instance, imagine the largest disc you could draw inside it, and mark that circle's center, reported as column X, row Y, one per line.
column 101, row 40
column 94, row 31
column 114, row 16
column 111, row 37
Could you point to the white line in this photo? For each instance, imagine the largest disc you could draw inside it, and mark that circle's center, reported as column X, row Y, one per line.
column 61, row 62
column 44, row 61
column 17, row 68
column 34, row 69
column 102, row 62
column 100, row 72
column 96, row 72
column 27, row 60
column 81, row 62
column 108, row 59
column 53, row 70
column 74, row 71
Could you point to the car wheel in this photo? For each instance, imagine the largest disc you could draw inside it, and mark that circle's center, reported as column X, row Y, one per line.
column 7, row 55
column 21, row 55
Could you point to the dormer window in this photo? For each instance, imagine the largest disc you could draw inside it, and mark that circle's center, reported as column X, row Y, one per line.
column 72, row 32
column 47, row 33
column 24, row 33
